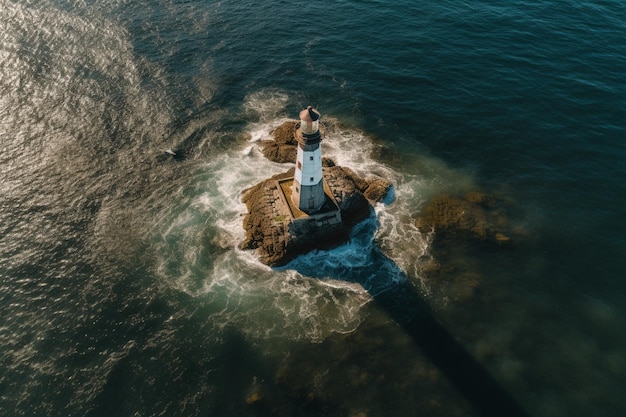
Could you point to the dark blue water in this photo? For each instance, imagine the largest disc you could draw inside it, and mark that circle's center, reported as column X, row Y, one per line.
column 122, row 291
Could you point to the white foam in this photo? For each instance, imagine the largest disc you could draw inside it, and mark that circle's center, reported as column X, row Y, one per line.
column 262, row 302
column 247, row 150
column 259, row 134
column 265, row 105
column 316, row 294
column 397, row 234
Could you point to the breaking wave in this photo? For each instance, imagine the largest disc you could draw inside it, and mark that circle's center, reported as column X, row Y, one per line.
column 316, row 294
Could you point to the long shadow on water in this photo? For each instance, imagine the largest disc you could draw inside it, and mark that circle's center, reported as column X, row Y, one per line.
column 362, row 261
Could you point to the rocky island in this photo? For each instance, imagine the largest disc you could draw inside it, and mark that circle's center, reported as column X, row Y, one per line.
column 312, row 206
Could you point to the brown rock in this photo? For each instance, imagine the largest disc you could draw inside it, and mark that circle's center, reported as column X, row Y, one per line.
column 360, row 183
column 271, row 231
column 254, row 398
column 327, row 162
column 481, row 198
column 502, row 238
column 283, row 134
column 347, row 189
column 269, row 226
column 377, row 189
column 281, row 153
column 284, row 147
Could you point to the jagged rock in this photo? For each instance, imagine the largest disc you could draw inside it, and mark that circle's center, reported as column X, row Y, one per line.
column 255, row 396
column 377, row 189
column 269, row 224
column 360, row 183
column 283, row 134
column 327, row 162
column 346, row 188
column 284, row 147
column 271, row 231
column 279, row 153
column 374, row 189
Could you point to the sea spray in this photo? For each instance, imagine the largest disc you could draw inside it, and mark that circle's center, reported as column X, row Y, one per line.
column 198, row 255
column 316, row 294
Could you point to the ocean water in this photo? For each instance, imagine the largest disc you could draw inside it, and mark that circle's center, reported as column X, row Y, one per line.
column 122, row 288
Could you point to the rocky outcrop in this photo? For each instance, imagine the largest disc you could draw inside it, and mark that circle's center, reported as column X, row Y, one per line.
column 283, row 148
column 354, row 193
column 266, row 221
column 269, row 224
column 270, row 228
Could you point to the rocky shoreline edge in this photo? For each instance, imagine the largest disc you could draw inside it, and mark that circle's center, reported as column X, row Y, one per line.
column 269, row 224
column 473, row 218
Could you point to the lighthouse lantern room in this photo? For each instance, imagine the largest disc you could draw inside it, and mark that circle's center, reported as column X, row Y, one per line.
column 308, row 185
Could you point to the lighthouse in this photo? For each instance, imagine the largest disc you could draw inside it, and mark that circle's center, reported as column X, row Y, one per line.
column 308, row 183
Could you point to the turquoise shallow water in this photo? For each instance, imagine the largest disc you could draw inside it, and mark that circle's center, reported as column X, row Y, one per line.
column 122, row 288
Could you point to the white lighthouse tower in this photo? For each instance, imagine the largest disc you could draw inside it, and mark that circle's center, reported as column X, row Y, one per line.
column 308, row 186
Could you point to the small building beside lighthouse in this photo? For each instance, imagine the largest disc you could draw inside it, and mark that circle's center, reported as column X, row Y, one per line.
column 307, row 192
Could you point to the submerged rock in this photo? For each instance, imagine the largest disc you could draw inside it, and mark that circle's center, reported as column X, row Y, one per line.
column 459, row 228
column 255, row 397
column 330, row 378
column 476, row 216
